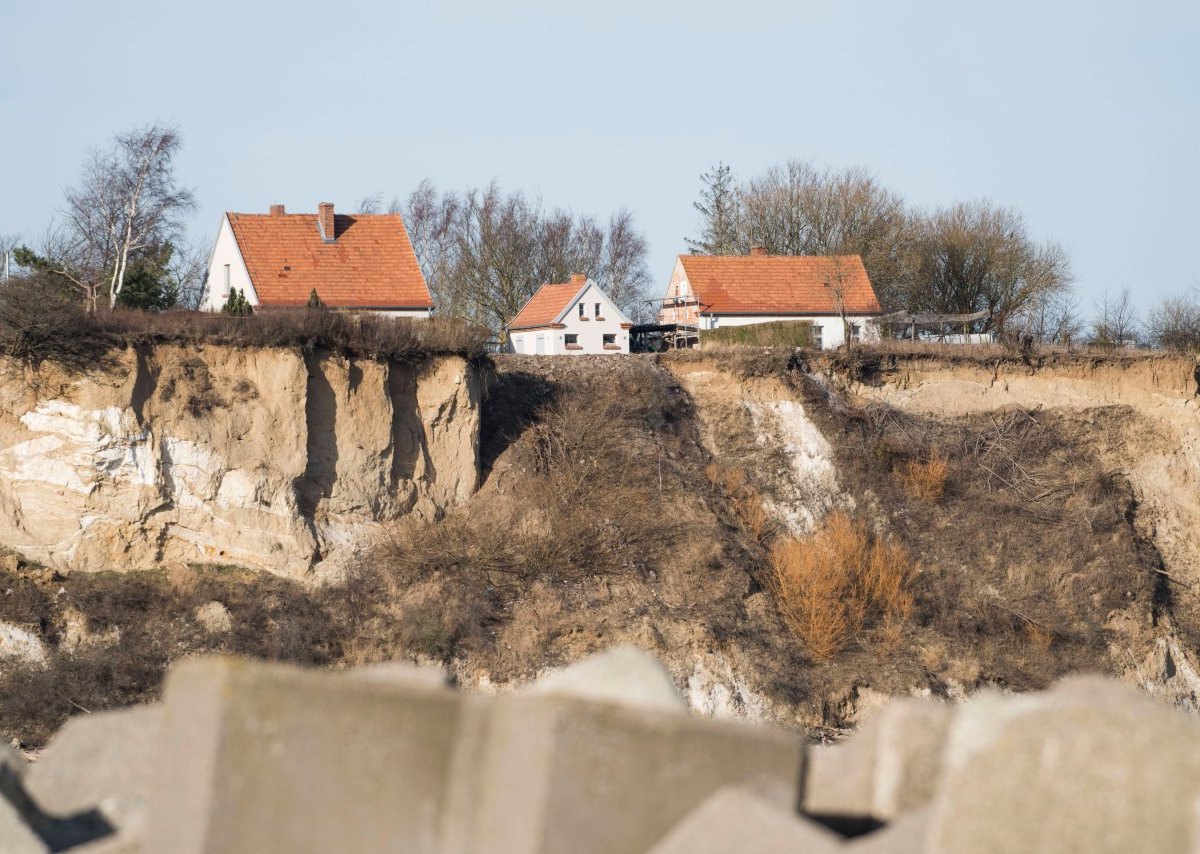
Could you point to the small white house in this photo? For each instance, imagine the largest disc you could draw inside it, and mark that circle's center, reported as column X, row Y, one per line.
column 571, row 318
column 361, row 262
column 715, row 291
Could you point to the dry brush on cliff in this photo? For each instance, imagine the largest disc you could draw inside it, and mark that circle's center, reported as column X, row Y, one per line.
column 41, row 324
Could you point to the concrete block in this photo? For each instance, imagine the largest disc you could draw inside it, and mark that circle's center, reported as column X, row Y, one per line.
column 908, row 834
column 105, row 761
column 267, row 758
column 562, row 774
column 16, row 835
column 624, row 674
column 1090, row 766
column 402, row 673
column 25, row 828
column 891, row 765
column 735, row 820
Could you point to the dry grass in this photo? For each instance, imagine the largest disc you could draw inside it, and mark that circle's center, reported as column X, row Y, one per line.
column 925, row 480
column 838, row 581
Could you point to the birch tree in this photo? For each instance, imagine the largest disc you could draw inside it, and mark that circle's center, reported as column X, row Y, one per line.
column 149, row 202
column 127, row 204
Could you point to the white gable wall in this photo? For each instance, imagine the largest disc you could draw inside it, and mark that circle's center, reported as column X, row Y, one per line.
column 589, row 331
column 226, row 259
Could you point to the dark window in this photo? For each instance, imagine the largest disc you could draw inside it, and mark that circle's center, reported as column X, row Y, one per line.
column 610, row 339
column 571, row 338
column 581, row 309
column 597, row 310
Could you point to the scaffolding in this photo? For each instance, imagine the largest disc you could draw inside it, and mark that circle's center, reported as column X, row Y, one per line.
column 943, row 326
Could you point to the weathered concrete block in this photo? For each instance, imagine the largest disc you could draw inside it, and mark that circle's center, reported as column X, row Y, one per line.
column 560, row 774
column 16, row 835
column 25, row 828
column 1090, row 766
column 891, row 765
column 623, row 674
column 908, row 834
column 733, row 820
column 104, row 761
column 401, row 673
column 266, row 758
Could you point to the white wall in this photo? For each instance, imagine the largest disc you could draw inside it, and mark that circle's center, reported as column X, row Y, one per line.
column 832, row 332
column 225, row 252
column 589, row 333
column 404, row 312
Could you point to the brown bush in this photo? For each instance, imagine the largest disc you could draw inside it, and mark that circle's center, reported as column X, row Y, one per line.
column 832, row 584
column 925, row 480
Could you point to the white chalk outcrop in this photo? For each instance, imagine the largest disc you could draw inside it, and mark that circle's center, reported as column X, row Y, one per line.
column 267, row 458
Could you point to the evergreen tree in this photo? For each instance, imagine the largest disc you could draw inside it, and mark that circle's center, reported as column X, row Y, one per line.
column 237, row 305
column 148, row 285
column 719, row 214
column 314, row 301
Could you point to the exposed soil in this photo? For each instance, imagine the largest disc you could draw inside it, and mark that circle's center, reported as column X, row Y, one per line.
column 613, row 508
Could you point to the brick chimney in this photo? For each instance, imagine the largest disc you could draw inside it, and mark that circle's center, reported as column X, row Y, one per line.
column 277, row 210
column 325, row 221
column 758, row 250
column 577, row 279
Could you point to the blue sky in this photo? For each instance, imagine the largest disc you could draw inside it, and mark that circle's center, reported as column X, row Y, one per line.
column 1083, row 115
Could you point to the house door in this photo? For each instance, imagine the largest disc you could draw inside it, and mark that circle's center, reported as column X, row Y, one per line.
column 540, row 343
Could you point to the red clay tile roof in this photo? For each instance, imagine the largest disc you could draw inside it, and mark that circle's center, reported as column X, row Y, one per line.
column 545, row 306
column 371, row 264
column 778, row 284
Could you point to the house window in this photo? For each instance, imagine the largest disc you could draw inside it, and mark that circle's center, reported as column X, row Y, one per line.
column 571, row 340
column 581, row 310
column 855, row 332
column 598, row 317
column 226, row 279
column 816, row 337
column 610, row 342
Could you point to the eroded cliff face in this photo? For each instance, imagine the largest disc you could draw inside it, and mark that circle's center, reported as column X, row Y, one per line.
column 266, row 458
column 1160, row 396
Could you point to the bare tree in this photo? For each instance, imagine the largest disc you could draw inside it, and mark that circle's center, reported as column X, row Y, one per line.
column 1115, row 324
column 127, row 203
column 150, row 203
column 1174, row 323
column 799, row 209
column 185, row 273
column 1053, row 318
column 976, row 256
column 485, row 252
column 371, row 204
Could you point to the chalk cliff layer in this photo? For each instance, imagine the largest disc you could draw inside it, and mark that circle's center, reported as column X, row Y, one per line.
column 267, row 458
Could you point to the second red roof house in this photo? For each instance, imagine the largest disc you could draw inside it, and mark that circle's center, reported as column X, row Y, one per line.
column 713, row 291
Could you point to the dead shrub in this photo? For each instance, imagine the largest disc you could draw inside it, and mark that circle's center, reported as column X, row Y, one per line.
column 832, row 584
column 925, row 480
column 747, row 502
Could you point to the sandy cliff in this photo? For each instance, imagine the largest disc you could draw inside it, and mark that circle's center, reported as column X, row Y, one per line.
column 267, row 458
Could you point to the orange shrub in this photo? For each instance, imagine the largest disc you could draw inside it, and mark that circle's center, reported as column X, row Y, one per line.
column 839, row 579
column 926, row 480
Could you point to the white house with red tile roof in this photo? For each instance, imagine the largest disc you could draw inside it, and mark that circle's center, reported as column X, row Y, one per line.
column 714, row 291
column 572, row 318
column 362, row 262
